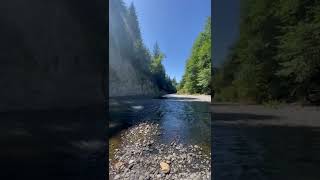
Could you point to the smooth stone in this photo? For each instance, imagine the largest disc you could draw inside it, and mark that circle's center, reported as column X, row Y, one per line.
column 131, row 161
column 118, row 165
column 116, row 177
column 164, row 167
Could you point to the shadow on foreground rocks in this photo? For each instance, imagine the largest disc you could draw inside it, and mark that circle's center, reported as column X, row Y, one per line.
column 141, row 157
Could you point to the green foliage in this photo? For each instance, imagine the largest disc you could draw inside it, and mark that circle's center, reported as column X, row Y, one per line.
column 299, row 58
column 274, row 104
column 158, row 72
column 277, row 54
column 133, row 23
column 198, row 68
column 175, row 83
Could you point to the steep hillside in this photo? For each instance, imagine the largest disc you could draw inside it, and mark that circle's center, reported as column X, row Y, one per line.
column 129, row 59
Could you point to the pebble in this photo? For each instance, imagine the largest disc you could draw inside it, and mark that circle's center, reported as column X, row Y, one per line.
column 165, row 168
column 178, row 161
column 131, row 161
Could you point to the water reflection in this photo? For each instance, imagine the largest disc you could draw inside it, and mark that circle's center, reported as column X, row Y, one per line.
column 186, row 121
column 251, row 152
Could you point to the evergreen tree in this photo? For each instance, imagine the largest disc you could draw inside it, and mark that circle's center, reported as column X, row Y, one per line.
column 157, row 69
column 277, row 54
column 134, row 23
column 125, row 36
column 198, row 68
column 140, row 54
column 174, row 83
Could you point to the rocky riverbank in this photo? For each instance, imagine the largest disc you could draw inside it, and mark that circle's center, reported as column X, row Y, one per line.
column 189, row 97
column 140, row 156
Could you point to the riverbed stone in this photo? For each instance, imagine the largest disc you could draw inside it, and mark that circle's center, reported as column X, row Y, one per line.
column 119, row 165
column 116, row 177
column 165, row 167
column 180, row 164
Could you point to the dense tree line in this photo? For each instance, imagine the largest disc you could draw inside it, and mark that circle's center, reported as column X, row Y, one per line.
column 164, row 82
column 125, row 25
column 276, row 56
column 198, row 68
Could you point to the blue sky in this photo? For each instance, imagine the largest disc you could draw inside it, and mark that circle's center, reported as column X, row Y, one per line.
column 174, row 24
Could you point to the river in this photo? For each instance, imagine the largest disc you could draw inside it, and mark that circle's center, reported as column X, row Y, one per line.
column 259, row 143
column 248, row 142
column 180, row 117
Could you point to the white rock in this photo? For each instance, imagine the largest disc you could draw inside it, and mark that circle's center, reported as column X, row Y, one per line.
column 164, row 167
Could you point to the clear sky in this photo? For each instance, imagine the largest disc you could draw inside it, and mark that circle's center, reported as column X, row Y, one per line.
column 174, row 24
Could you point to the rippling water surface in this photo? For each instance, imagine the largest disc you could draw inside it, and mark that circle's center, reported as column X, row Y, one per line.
column 242, row 149
column 187, row 121
column 247, row 151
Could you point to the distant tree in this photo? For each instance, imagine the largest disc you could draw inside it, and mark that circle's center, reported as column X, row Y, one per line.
column 157, row 69
column 156, row 62
column 140, row 54
column 134, row 23
column 174, row 82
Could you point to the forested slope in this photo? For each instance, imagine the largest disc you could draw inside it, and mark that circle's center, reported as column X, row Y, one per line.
column 133, row 70
column 276, row 57
column 196, row 78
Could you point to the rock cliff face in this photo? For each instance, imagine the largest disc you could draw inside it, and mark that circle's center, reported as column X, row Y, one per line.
column 52, row 53
column 126, row 76
column 124, row 79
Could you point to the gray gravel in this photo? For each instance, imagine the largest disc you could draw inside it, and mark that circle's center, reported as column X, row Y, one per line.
column 140, row 154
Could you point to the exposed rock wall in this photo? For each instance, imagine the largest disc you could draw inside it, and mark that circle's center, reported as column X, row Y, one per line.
column 125, row 77
column 52, row 53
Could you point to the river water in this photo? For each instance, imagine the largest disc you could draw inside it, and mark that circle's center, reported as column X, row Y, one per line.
column 179, row 119
column 243, row 150
column 245, row 146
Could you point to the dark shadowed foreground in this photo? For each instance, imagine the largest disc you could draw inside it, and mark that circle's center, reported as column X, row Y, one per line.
column 254, row 142
column 52, row 56
column 52, row 53
column 56, row 144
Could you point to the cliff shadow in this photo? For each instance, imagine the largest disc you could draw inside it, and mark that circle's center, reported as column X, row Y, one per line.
column 227, row 116
column 238, row 112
